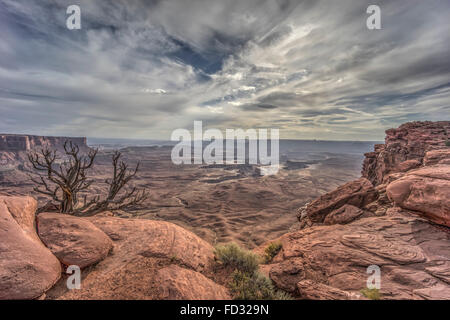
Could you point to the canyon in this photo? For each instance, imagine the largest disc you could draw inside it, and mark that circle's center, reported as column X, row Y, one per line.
column 396, row 215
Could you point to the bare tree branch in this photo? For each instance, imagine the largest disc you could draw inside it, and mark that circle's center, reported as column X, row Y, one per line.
column 63, row 182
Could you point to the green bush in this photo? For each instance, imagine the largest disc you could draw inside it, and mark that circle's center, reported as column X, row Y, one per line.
column 247, row 283
column 272, row 250
column 447, row 143
column 250, row 287
column 233, row 256
column 255, row 287
column 373, row 294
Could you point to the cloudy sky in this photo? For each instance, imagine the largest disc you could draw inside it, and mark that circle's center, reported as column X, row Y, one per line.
column 140, row 69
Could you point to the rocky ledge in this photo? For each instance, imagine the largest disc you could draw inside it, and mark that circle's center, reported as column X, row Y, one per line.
column 397, row 217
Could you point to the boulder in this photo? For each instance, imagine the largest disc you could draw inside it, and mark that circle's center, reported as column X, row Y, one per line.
column 178, row 283
column 156, row 238
column 73, row 240
column 425, row 191
column 27, row 268
column 357, row 193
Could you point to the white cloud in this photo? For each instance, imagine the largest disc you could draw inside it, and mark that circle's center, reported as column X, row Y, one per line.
column 138, row 70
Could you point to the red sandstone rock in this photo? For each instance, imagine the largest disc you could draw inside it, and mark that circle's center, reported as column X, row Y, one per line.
column 73, row 240
column 312, row 290
column 142, row 248
column 404, row 246
column 343, row 215
column 156, row 238
column 441, row 156
column 410, row 141
column 178, row 283
column 27, row 268
column 329, row 261
column 357, row 193
column 426, row 191
column 408, row 165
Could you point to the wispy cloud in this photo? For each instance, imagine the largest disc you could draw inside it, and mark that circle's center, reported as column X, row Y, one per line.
column 140, row 69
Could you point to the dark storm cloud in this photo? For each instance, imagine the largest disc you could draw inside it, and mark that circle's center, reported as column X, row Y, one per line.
column 143, row 68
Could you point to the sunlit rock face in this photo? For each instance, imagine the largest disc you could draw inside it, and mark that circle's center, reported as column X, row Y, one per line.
column 410, row 141
column 27, row 268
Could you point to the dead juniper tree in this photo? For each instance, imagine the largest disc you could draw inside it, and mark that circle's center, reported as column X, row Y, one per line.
column 63, row 179
column 128, row 199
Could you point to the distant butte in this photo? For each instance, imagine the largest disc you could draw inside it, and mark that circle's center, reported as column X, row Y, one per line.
column 23, row 142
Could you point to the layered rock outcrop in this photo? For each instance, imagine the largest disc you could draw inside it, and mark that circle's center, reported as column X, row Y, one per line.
column 14, row 164
column 16, row 142
column 397, row 217
column 412, row 254
column 356, row 193
column 409, row 142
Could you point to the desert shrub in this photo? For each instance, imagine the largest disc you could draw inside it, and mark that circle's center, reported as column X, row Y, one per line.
column 247, row 283
column 272, row 250
column 233, row 256
column 373, row 294
column 282, row 295
column 447, row 143
column 254, row 287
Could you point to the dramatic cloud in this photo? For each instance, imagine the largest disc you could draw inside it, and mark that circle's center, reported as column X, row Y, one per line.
column 140, row 69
